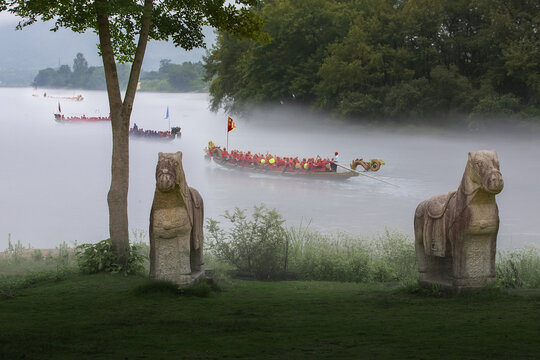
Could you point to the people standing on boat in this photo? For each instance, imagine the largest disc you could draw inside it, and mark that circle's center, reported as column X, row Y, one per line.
column 335, row 160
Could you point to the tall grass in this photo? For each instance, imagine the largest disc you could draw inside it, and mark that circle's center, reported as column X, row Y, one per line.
column 312, row 255
column 306, row 253
column 519, row 268
column 344, row 257
column 21, row 267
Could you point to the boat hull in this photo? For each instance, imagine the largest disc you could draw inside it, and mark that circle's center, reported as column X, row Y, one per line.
column 331, row 175
column 74, row 119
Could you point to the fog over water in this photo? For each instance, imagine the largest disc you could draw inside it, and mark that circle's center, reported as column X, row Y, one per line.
column 54, row 177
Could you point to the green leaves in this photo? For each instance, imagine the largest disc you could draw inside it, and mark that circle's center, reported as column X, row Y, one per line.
column 372, row 58
column 256, row 245
column 101, row 257
column 179, row 21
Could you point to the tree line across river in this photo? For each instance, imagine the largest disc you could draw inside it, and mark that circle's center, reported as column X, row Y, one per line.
column 386, row 59
column 185, row 77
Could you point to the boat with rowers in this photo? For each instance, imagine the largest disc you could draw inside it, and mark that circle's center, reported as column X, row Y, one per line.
column 169, row 135
column 67, row 119
column 283, row 166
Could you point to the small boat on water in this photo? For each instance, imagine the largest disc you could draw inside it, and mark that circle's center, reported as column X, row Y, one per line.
column 74, row 97
column 83, row 118
column 268, row 164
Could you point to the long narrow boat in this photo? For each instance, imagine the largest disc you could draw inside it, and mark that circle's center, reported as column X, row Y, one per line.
column 334, row 175
column 138, row 133
column 67, row 119
column 272, row 169
column 75, row 98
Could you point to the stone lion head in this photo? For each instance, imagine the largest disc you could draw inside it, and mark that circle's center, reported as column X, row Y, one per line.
column 168, row 170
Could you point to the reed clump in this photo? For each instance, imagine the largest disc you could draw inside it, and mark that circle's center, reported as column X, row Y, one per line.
column 386, row 257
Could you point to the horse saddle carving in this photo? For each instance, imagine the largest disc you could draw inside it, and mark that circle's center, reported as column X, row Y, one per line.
column 435, row 224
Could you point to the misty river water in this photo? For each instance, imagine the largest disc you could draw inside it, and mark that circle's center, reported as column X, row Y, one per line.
column 54, row 177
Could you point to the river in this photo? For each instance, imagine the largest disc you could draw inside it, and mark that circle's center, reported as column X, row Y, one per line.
column 55, row 177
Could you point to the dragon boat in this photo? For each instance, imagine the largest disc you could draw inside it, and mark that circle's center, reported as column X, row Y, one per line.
column 138, row 133
column 74, row 97
column 83, row 118
column 272, row 168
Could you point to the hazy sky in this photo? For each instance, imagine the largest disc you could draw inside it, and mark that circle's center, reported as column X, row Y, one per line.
column 36, row 47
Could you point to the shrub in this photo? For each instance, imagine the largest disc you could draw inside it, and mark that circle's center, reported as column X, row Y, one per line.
column 264, row 248
column 256, row 245
column 100, row 257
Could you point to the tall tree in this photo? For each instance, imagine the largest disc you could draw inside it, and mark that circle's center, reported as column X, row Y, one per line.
column 80, row 70
column 283, row 69
column 118, row 23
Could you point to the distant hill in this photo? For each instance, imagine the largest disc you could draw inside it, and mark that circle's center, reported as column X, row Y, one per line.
column 26, row 52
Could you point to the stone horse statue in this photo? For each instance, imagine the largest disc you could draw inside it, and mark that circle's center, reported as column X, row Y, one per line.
column 456, row 233
column 176, row 225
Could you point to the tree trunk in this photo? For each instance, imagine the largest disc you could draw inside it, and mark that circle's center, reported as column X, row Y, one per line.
column 120, row 118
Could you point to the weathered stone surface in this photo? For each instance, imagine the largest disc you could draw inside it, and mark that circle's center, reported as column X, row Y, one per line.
column 176, row 225
column 456, row 233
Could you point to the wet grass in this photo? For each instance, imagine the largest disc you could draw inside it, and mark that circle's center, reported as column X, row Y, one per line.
column 113, row 316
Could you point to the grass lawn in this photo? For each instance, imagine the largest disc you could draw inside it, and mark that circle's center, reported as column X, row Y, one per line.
column 103, row 317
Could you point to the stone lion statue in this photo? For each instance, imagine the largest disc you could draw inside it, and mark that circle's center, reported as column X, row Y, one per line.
column 176, row 224
column 456, row 233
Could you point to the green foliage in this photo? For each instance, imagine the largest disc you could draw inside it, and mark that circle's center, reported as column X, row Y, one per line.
column 185, row 77
column 342, row 257
column 264, row 248
column 282, row 70
column 394, row 59
column 257, row 245
column 101, row 257
column 178, row 21
column 519, row 268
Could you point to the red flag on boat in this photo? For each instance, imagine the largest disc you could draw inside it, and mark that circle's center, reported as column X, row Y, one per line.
column 230, row 124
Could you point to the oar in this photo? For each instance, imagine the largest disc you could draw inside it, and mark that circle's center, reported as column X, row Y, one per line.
column 358, row 172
